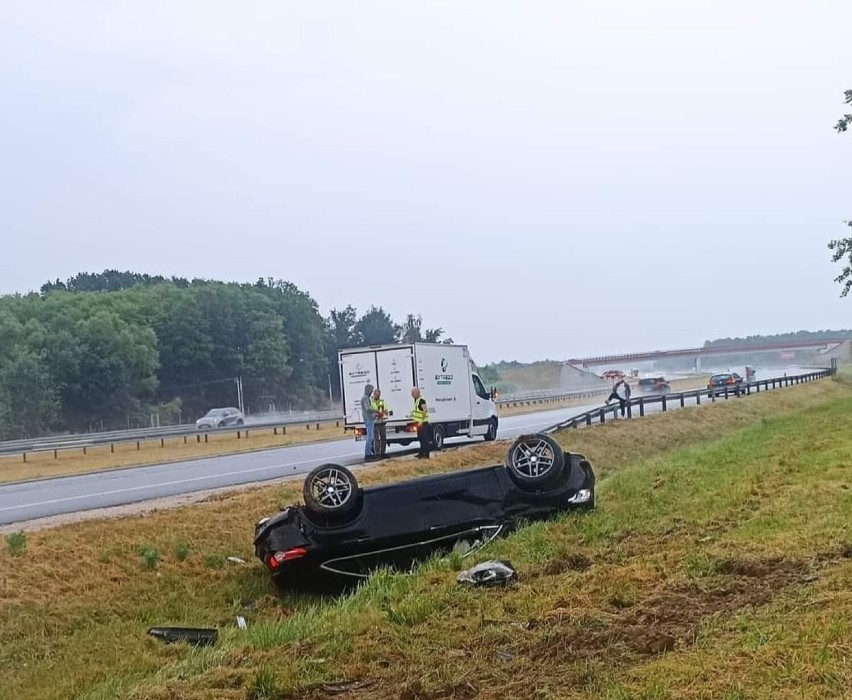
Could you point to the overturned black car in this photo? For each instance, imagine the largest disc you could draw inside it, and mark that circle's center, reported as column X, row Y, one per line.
column 343, row 531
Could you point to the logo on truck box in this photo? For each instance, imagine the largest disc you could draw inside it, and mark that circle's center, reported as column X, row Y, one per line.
column 359, row 372
column 443, row 378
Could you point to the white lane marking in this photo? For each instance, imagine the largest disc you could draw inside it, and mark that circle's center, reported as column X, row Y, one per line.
column 175, row 482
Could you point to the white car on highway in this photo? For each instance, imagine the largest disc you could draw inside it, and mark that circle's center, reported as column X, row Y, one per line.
column 220, row 417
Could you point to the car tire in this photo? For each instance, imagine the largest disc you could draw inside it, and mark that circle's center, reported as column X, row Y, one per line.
column 331, row 493
column 438, row 438
column 491, row 433
column 535, row 462
column 221, row 424
column 240, row 421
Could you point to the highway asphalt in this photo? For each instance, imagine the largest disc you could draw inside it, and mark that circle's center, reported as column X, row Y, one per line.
column 62, row 495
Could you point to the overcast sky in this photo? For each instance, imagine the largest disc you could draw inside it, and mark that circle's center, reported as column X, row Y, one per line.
column 542, row 179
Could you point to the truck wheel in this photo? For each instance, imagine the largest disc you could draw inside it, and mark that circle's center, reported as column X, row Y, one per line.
column 535, row 462
column 438, row 438
column 331, row 491
column 491, row 434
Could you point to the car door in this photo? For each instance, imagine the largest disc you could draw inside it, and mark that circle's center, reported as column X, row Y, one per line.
column 481, row 407
column 453, row 503
column 389, row 532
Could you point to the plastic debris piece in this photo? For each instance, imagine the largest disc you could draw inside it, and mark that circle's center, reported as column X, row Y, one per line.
column 236, row 560
column 489, row 573
column 241, row 622
column 198, row 636
column 505, row 656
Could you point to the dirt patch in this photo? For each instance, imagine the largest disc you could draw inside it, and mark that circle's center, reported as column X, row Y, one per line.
column 758, row 568
column 669, row 616
column 374, row 689
column 571, row 562
column 415, row 691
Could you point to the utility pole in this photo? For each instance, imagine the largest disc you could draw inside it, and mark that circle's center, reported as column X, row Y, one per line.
column 240, row 404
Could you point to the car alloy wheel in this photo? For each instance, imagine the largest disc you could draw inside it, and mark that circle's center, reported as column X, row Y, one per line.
column 330, row 488
column 535, row 461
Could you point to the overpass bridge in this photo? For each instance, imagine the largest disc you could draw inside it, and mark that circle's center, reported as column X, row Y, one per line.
column 711, row 351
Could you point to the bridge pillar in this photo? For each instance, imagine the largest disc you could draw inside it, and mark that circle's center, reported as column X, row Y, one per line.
column 698, row 364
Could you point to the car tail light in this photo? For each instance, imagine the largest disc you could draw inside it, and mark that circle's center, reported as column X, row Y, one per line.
column 275, row 560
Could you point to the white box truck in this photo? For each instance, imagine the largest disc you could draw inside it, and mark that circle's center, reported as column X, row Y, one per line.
column 458, row 402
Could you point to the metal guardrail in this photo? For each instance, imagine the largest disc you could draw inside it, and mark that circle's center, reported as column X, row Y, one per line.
column 599, row 414
column 531, row 397
column 535, row 397
column 85, row 440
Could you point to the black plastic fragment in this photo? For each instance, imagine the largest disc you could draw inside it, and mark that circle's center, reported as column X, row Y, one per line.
column 197, row 636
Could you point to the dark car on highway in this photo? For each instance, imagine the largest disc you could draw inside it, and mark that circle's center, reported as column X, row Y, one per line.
column 730, row 382
column 653, row 385
column 344, row 531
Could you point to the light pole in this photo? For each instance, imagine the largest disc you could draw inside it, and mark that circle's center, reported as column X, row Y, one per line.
column 239, row 383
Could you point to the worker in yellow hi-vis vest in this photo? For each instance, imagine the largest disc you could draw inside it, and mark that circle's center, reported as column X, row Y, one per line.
column 420, row 416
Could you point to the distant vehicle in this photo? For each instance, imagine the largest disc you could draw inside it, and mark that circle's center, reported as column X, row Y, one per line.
column 730, row 381
column 613, row 374
column 458, row 402
column 343, row 532
column 747, row 372
column 653, row 385
column 220, row 417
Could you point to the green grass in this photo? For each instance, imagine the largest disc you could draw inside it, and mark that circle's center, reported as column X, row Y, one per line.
column 716, row 566
column 17, row 543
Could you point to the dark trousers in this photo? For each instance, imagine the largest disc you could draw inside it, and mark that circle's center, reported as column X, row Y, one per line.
column 424, row 437
column 380, row 439
column 622, row 403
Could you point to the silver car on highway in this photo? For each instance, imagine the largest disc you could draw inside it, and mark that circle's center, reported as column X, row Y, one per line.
column 220, row 417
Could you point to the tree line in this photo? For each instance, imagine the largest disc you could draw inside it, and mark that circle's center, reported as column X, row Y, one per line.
column 112, row 350
column 780, row 338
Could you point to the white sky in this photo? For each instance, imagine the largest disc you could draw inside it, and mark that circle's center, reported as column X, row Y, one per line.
column 542, row 179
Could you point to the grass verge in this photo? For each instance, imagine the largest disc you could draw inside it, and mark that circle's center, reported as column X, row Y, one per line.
column 715, row 566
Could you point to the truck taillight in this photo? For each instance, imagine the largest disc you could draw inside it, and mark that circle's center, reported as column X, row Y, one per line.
column 275, row 560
